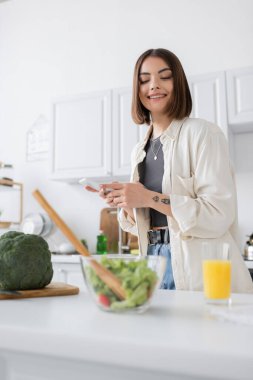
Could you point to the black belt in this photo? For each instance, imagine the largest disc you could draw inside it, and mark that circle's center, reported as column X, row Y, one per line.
column 161, row 236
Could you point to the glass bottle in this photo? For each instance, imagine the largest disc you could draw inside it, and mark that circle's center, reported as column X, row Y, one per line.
column 101, row 243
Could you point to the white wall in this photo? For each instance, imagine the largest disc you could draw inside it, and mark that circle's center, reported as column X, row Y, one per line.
column 51, row 48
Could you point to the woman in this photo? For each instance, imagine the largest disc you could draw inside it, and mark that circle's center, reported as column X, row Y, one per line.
column 182, row 190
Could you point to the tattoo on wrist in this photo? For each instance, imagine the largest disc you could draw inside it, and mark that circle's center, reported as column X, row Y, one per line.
column 166, row 201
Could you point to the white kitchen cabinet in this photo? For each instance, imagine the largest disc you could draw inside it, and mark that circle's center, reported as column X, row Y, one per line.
column 69, row 273
column 209, row 98
column 81, row 136
column 125, row 133
column 240, row 99
column 93, row 136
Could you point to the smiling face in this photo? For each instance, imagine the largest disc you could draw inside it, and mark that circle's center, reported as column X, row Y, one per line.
column 155, row 85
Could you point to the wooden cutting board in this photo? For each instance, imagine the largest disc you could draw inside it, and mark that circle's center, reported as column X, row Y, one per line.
column 109, row 224
column 53, row 289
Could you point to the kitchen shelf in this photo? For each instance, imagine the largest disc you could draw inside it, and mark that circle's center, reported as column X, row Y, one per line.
column 9, row 185
column 4, row 188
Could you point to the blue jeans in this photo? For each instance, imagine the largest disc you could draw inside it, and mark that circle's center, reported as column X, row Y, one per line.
column 164, row 250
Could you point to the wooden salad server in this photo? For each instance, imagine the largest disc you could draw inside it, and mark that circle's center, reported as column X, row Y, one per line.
column 104, row 274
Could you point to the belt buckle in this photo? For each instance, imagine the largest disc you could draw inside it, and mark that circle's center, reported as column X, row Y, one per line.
column 159, row 236
column 152, row 237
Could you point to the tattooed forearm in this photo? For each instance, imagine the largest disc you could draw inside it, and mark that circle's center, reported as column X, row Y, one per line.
column 163, row 200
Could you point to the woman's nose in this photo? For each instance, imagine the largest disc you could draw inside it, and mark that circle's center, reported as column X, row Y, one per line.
column 153, row 86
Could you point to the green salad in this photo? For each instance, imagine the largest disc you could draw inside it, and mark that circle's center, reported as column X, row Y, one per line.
column 136, row 277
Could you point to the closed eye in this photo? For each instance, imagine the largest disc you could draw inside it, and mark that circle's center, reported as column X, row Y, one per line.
column 164, row 78
column 144, row 81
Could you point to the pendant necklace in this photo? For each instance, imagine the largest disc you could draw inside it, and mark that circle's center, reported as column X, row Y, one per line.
column 152, row 145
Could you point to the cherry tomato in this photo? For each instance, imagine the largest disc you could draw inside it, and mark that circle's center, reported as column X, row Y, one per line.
column 104, row 300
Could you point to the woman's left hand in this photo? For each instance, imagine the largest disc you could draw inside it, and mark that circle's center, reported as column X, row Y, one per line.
column 127, row 195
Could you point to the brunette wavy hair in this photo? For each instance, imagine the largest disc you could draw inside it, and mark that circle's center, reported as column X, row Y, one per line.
column 180, row 105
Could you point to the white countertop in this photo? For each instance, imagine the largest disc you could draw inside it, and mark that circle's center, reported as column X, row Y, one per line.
column 71, row 259
column 177, row 335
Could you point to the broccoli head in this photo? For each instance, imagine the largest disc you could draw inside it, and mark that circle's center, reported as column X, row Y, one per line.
column 25, row 261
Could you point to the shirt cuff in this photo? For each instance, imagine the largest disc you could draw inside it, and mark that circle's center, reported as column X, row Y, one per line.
column 127, row 223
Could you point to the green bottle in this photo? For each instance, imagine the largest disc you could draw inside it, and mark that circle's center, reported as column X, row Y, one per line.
column 101, row 243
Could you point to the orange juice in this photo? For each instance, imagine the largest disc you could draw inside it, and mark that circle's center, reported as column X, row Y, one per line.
column 217, row 279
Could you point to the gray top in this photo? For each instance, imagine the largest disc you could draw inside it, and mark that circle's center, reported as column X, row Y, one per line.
column 151, row 174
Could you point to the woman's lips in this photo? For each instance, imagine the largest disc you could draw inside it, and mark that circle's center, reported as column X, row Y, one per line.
column 156, row 97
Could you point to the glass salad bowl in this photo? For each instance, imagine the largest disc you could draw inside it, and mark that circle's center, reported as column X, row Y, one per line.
column 140, row 276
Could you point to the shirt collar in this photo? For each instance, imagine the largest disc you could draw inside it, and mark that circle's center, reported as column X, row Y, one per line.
column 171, row 132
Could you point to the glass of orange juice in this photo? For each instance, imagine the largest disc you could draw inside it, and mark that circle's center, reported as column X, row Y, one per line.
column 216, row 272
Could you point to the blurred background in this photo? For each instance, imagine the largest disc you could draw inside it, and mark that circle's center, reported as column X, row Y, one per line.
column 61, row 49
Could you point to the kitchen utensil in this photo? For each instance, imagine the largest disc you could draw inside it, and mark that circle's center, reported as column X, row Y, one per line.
column 112, row 281
column 53, row 289
column 66, row 249
column 37, row 223
column 3, row 165
column 248, row 249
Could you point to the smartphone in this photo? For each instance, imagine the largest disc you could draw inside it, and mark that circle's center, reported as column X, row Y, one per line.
column 86, row 182
column 93, row 184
